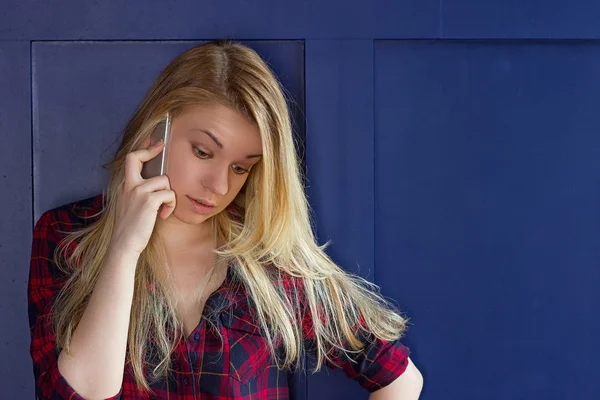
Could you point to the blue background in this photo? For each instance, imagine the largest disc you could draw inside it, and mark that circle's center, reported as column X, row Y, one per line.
column 451, row 149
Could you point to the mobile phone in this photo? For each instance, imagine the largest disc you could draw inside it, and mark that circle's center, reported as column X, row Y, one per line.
column 158, row 165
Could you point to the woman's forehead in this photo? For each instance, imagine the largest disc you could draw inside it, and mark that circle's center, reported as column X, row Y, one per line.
column 223, row 126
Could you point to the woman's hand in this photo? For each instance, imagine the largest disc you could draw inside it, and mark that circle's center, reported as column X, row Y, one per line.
column 140, row 201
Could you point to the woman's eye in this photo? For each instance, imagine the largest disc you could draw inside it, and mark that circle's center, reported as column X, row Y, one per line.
column 201, row 153
column 238, row 170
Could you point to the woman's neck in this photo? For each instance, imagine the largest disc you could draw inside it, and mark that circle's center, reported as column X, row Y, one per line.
column 180, row 237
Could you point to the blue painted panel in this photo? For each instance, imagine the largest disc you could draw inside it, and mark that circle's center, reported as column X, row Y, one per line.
column 239, row 19
column 553, row 19
column 339, row 158
column 488, row 226
column 15, row 223
column 84, row 93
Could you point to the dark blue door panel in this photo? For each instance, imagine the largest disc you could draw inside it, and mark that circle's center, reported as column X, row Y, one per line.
column 488, row 227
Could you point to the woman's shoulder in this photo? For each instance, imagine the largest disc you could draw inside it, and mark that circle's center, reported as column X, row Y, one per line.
column 73, row 215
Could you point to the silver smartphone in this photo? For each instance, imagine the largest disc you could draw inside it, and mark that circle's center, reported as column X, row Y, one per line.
column 158, row 165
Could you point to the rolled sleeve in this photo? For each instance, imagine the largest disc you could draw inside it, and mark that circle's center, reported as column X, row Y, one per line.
column 378, row 364
column 375, row 366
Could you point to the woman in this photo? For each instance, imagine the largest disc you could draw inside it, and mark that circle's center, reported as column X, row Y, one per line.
column 206, row 282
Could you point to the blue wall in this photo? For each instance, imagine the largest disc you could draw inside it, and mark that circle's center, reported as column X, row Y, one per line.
column 452, row 151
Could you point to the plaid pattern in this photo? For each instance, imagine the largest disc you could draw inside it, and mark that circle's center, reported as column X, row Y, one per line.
column 204, row 367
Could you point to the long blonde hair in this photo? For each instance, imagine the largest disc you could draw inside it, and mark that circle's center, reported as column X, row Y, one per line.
column 274, row 233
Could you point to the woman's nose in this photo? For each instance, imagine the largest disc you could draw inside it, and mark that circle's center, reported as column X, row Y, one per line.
column 217, row 182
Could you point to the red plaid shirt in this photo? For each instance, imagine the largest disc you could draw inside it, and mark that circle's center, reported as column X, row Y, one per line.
column 202, row 369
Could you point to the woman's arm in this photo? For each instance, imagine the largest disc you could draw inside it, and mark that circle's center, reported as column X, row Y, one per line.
column 95, row 368
column 407, row 386
column 45, row 281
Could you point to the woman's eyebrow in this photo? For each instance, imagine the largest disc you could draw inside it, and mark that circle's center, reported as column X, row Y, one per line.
column 210, row 134
column 218, row 143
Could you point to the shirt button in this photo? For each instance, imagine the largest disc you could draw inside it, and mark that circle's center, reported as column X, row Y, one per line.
column 197, row 336
column 186, row 381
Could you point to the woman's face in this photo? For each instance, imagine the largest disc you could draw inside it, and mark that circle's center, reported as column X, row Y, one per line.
column 211, row 151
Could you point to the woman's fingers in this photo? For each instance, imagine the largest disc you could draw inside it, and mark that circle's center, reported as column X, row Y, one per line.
column 135, row 160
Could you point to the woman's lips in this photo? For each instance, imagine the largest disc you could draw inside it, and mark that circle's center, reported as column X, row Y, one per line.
column 200, row 207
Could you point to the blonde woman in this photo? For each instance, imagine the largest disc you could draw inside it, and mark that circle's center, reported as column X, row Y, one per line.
column 206, row 282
